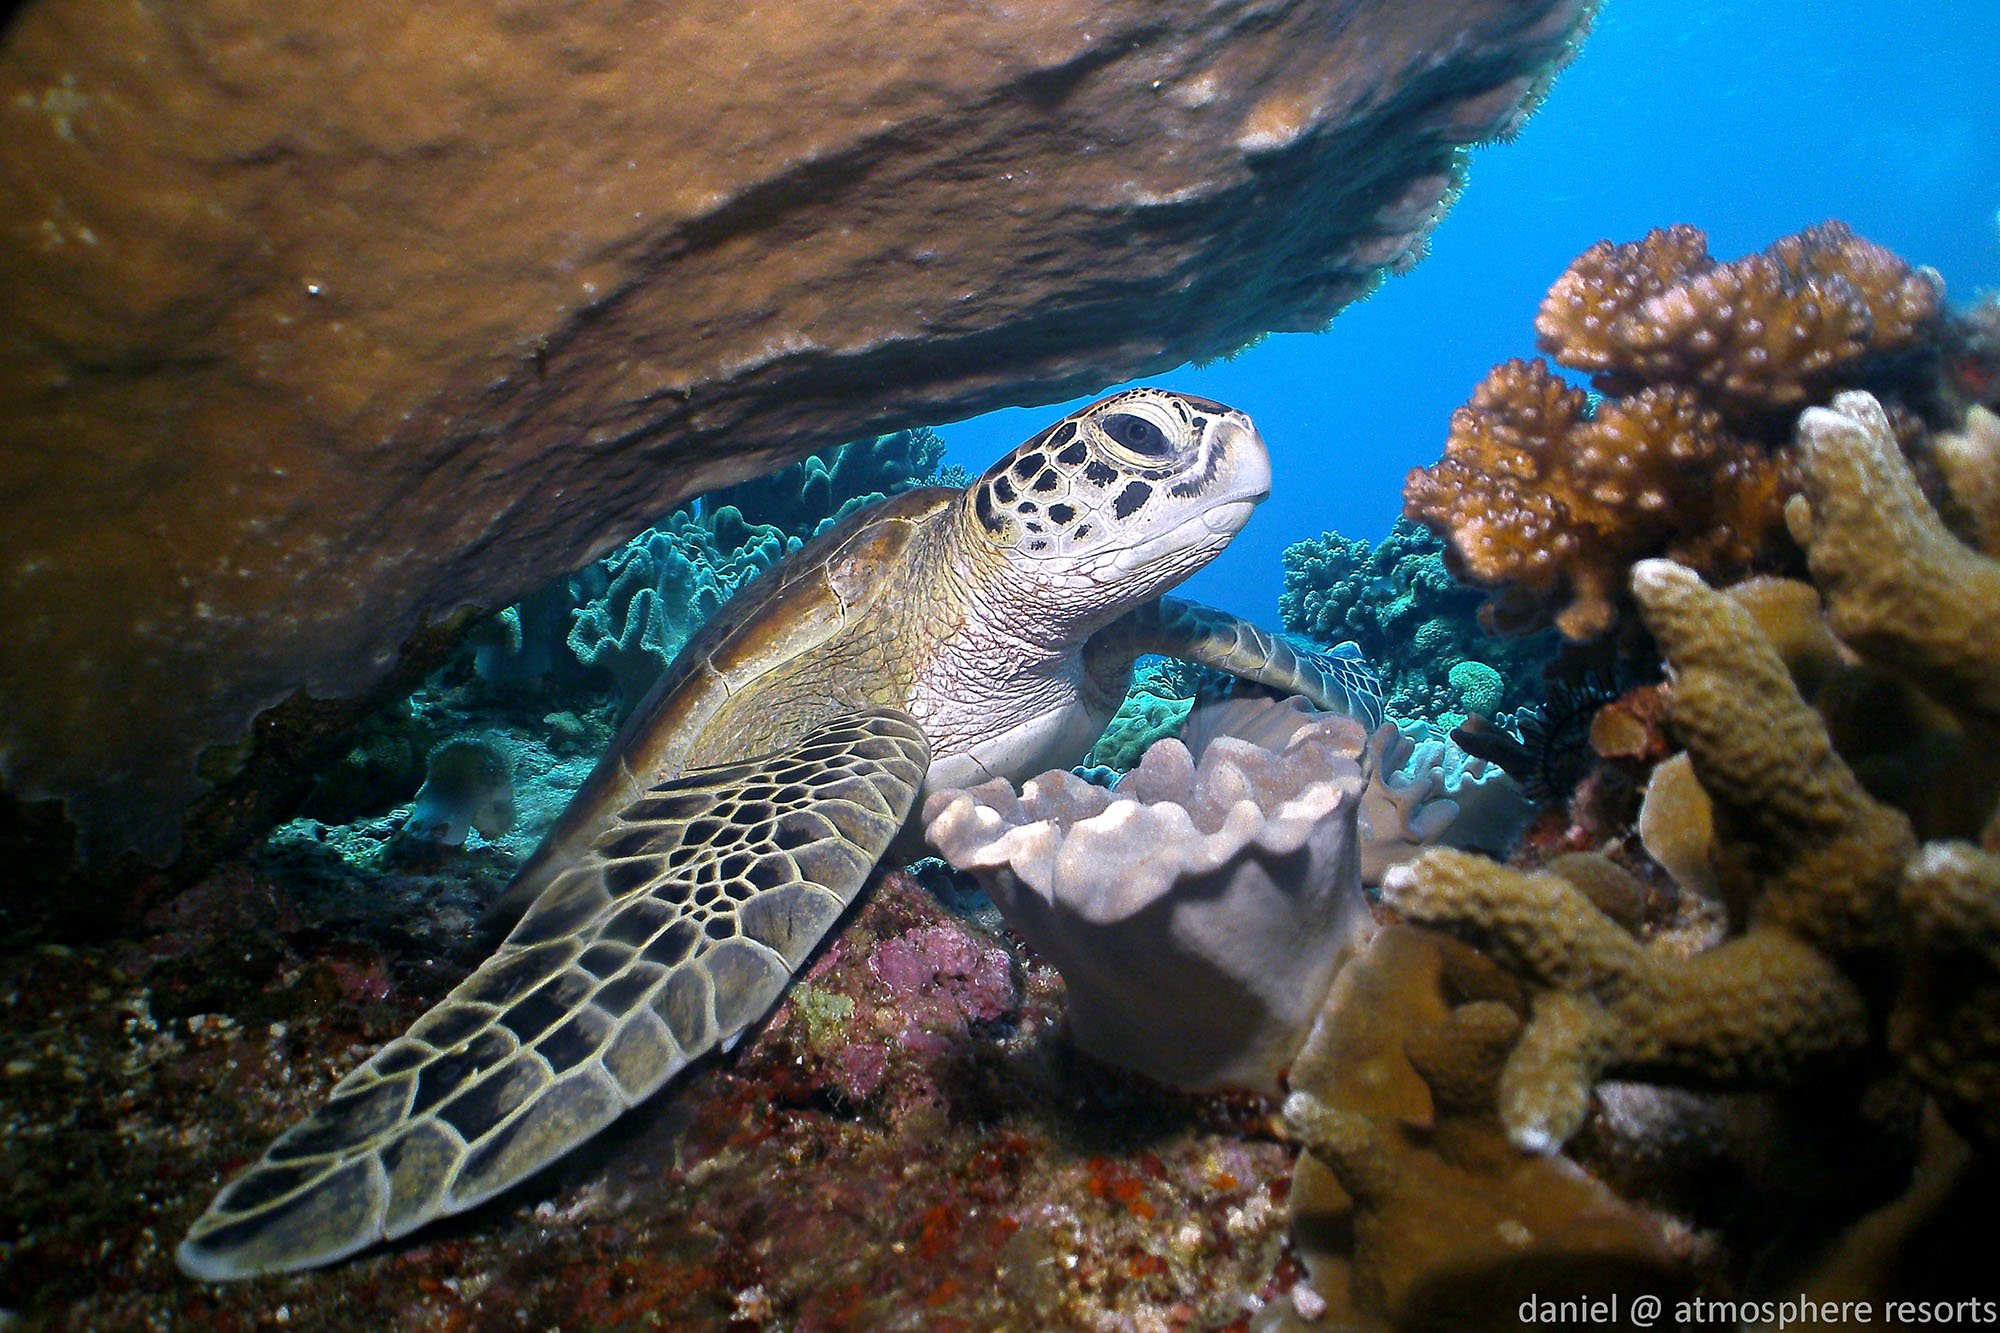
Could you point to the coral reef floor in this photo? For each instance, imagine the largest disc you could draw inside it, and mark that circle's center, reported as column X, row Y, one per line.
column 909, row 1142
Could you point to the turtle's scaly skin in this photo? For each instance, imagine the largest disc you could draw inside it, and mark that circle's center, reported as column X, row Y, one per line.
column 940, row 638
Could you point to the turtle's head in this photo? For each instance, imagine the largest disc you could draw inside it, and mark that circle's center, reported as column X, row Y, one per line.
column 1127, row 497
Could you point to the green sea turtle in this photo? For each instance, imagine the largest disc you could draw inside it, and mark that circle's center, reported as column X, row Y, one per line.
column 938, row 639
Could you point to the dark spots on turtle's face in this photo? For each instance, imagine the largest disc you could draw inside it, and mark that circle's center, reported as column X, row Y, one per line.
column 1083, row 530
column 1100, row 474
column 1060, row 434
column 1003, row 490
column 1189, row 487
column 1028, row 507
column 1038, row 546
column 1063, row 515
column 1034, row 526
column 1131, row 498
column 982, row 506
column 1046, row 482
column 1027, row 465
column 1074, row 454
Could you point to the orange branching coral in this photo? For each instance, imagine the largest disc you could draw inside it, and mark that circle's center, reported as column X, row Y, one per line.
column 1553, row 503
column 1550, row 502
column 1768, row 330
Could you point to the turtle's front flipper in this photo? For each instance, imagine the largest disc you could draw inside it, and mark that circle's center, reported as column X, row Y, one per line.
column 1340, row 680
column 677, row 930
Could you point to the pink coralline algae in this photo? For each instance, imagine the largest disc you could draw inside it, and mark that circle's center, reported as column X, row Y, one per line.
column 942, row 979
column 885, row 1013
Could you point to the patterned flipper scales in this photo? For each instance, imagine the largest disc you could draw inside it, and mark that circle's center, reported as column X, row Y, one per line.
column 678, row 929
column 1339, row 679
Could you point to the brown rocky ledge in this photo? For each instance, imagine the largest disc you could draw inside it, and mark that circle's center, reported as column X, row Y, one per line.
column 319, row 323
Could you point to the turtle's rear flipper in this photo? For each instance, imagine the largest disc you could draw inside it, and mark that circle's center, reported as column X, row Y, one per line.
column 677, row 930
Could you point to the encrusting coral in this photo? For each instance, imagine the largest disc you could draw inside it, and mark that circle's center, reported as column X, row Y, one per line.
column 1839, row 913
column 1198, row 913
column 1548, row 499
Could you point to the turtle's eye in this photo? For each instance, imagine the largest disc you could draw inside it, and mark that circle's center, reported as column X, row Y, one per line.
column 1137, row 435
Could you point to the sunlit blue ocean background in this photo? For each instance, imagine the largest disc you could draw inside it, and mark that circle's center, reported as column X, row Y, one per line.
column 1747, row 118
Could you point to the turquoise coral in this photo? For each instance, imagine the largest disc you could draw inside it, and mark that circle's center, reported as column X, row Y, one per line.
column 1410, row 617
column 629, row 613
column 1480, row 688
column 660, row 587
column 798, row 499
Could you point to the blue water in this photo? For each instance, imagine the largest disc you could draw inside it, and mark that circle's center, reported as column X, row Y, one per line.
column 1749, row 120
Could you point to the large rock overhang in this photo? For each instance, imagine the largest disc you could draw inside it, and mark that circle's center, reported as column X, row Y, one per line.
column 320, row 323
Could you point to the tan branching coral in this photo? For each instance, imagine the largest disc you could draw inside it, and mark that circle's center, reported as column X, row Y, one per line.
column 1761, row 1008
column 1900, row 588
column 1946, row 1024
column 1839, row 912
column 1970, row 461
column 1549, row 502
column 1767, row 330
column 1409, row 1208
column 1553, row 504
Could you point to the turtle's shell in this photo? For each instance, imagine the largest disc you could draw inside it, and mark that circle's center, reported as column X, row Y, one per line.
column 800, row 607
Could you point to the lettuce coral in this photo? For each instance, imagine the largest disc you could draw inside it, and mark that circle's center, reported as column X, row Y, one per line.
column 1840, row 914
column 646, row 599
column 629, row 613
column 797, row 499
column 1548, row 499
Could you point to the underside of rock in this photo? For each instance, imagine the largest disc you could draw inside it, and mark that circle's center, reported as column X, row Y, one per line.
column 321, row 323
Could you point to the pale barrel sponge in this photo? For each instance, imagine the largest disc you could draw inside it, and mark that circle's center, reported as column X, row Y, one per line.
column 1199, row 911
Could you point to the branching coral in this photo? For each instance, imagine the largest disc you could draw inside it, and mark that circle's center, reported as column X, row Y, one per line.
column 1839, row 911
column 1548, row 500
column 1552, row 503
column 1198, row 913
column 1768, row 330
column 1408, row 1208
column 1900, row 588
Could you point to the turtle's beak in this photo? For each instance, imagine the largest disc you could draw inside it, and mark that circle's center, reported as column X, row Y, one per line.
column 1243, row 462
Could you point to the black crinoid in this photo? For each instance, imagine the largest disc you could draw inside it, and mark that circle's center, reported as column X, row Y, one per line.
column 1546, row 748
